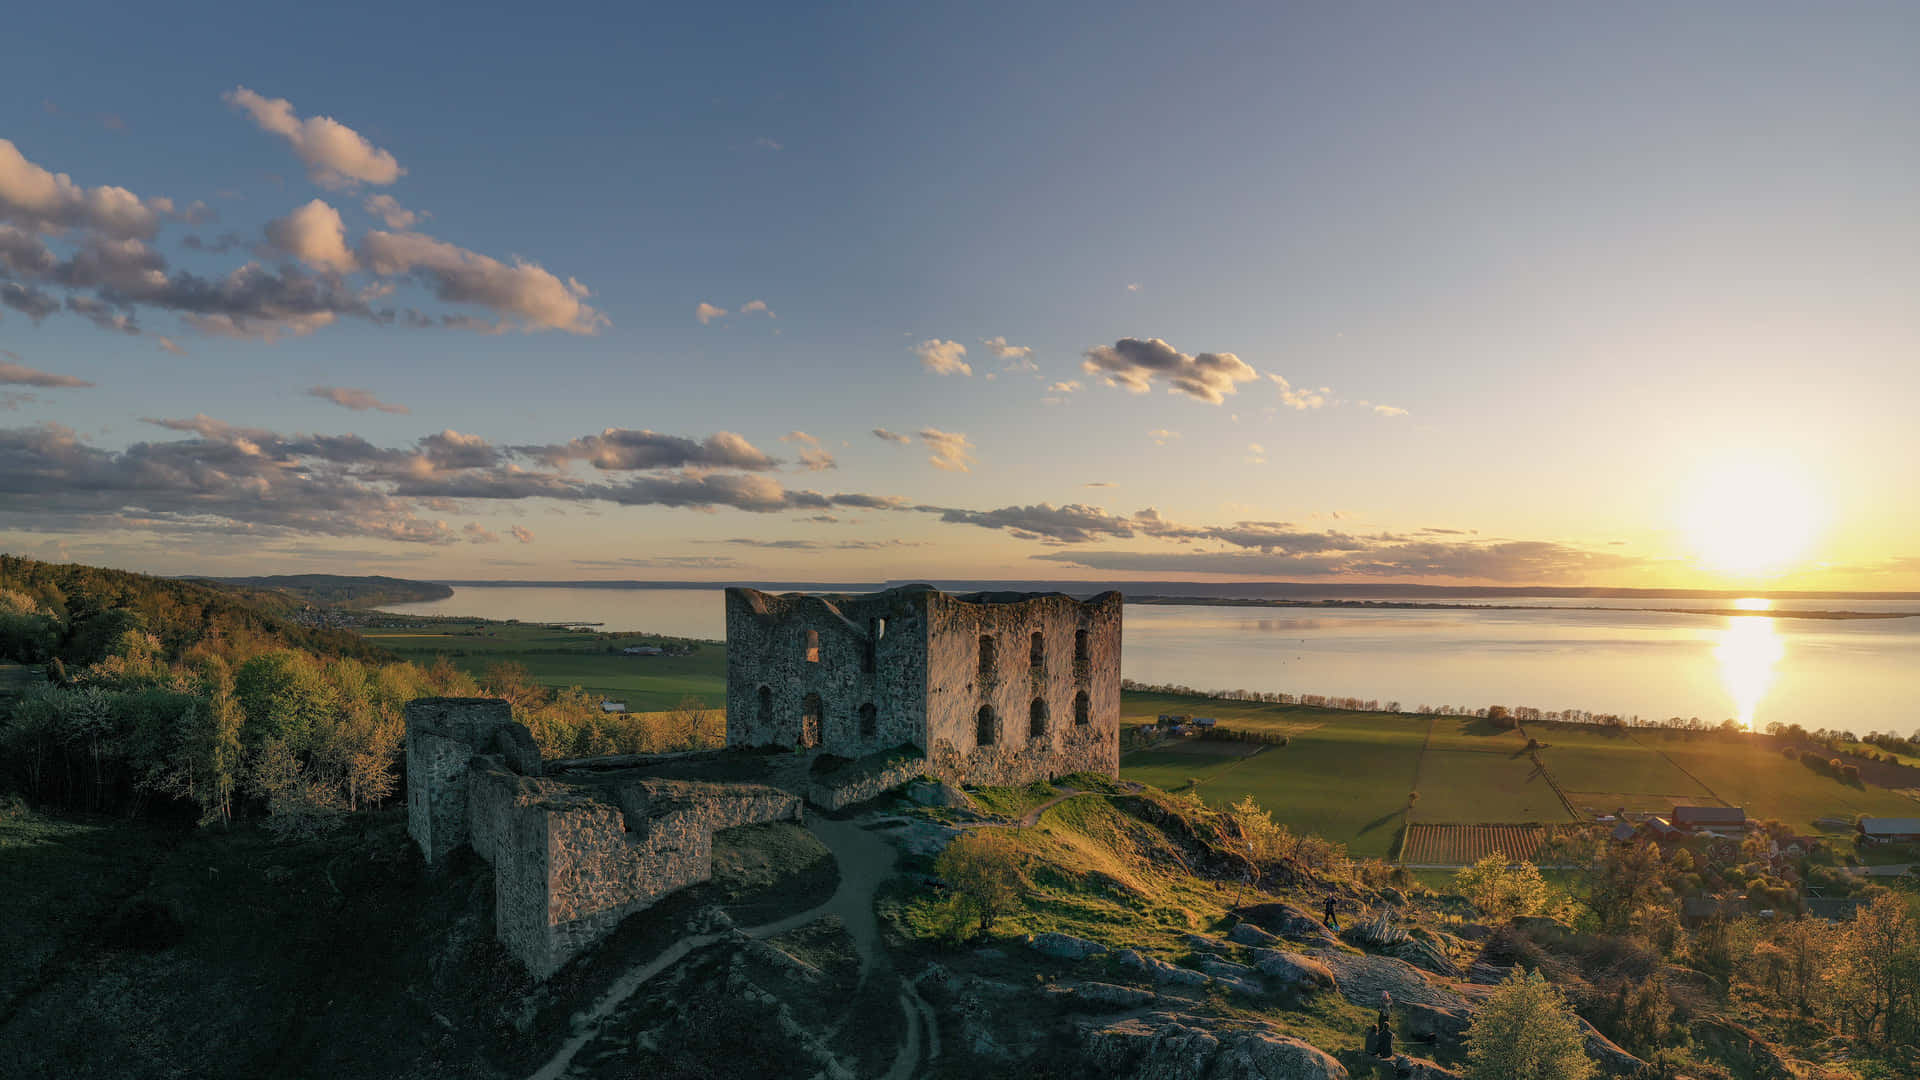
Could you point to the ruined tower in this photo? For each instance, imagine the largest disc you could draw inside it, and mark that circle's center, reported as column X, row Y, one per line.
column 995, row 688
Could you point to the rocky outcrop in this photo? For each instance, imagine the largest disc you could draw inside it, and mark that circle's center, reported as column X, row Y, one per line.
column 1159, row 970
column 1161, row 1046
column 1248, row 934
column 1112, row 994
column 1434, row 1023
column 1361, row 978
column 1290, row 922
column 1612, row 1060
column 1413, row 1068
column 1740, row 1047
column 1293, row 971
column 1064, row 946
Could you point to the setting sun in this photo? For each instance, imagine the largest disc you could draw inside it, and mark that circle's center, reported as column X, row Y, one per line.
column 1752, row 515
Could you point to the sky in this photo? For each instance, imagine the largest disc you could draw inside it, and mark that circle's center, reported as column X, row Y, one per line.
column 1507, row 294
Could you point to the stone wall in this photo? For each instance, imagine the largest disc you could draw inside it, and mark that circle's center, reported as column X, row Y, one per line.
column 913, row 653
column 868, row 650
column 958, row 687
column 574, row 852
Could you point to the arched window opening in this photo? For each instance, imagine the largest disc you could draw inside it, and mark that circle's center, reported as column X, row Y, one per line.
column 1080, row 654
column 1081, row 707
column 985, row 726
column 986, row 656
column 877, row 628
column 1037, row 719
column 812, row 714
column 870, row 660
column 1037, row 652
column 766, row 708
column 813, row 646
column 869, row 721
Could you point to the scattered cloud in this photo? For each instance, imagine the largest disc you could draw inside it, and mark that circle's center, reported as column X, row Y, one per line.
column 1301, row 398
column 1518, row 561
column 1257, row 454
column 526, row 290
column 522, row 534
column 943, row 357
column 336, row 156
column 630, row 450
column 1134, row 363
column 1070, row 524
column 13, row 399
column 1161, row 436
column 477, row 535
column 765, row 143
column 41, row 201
column 667, row 562
column 893, row 436
column 388, row 209
column 818, row 545
column 951, row 450
column 1099, row 484
column 1067, row 387
column 706, row 312
column 167, row 344
column 1133, row 286
column 21, row 375
column 1389, row 410
column 1018, row 357
column 813, row 457
column 757, row 306
column 356, row 399
column 315, row 235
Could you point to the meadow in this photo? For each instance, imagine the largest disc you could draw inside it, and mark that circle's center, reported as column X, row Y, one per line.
column 1359, row 778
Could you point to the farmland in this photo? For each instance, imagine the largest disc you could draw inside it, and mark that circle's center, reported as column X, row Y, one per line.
column 561, row 658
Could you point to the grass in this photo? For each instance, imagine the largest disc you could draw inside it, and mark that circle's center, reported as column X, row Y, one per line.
column 1463, row 787
column 563, row 658
column 1604, row 769
column 1747, row 774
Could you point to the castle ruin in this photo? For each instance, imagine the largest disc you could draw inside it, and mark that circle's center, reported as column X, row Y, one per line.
column 994, row 688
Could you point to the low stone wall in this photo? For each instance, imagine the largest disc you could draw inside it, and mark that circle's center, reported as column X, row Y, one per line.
column 573, row 855
column 857, row 785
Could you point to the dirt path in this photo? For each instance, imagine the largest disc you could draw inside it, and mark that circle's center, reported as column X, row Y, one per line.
column 865, row 860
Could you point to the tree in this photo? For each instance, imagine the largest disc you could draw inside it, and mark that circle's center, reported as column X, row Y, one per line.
column 1501, row 889
column 983, row 869
column 1527, row 1031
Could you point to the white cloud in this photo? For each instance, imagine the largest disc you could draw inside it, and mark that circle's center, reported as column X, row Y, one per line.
column 765, row 143
column 315, row 235
column 1018, row 357
column 706, row 312
column 541, row 300
column 43, row 201
column 388, row 209
column 951, row 450
column 1389, row 410
column 752, row 306
column 1258, row 454
column 1133, row 287
column 1133, row 363
column 813, row 458
column 1064, row 387
column 1301, row 397
column 336, row 155
column 524, row 535
column 943, row 357
column 356, row 399
column 1161, row 436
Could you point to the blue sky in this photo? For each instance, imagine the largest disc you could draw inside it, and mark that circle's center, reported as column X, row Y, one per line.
column 1606, row 296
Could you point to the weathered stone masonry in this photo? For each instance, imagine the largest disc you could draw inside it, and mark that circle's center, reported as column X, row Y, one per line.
column 995, row 688
column 574, row 853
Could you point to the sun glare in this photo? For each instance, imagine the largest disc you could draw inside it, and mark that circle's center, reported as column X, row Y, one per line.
column 1753, row 516
column 1753, row 603
column 1748, row 651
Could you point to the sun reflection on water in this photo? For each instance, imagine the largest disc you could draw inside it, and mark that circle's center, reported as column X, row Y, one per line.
column 1748, row 652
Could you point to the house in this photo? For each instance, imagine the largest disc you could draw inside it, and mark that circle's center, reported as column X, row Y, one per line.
column 613, row 706
column 1204, row 721
column 993, row 687
column 1834, row 908
column 1890, row 830
column 1704, row 818
column 1624, row 833
column 1662, row 829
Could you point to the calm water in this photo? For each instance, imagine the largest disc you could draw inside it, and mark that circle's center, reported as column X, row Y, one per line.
column 1859, row 674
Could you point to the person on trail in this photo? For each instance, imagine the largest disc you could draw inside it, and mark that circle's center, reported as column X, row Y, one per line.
column 1330, row 918
column 1386, row 1005
column 1383, row 1043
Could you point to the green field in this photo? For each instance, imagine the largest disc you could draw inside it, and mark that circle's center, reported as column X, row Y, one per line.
column 563, row 658
column 1465, row 787
column 1606, row 769
column 1770, row 786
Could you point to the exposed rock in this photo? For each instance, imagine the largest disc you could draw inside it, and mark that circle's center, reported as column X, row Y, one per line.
column 1413, row 1068
column 939, row 793
column 1293, row 970
column 1742, row 1048
column 1549, row 933
column 1612, row 1060
column 1434, row 1023
column 1064, row 946
column 1160, row 971
column 1101, row 993
column 1224, row 968
column 1248, row 934
column 1203, row 943
column 1162, row 1047
column 1393, row 896
column 1289, row 922
column 1237, row 985
column 1361, row 978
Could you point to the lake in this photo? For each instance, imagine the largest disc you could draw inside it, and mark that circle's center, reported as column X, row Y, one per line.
column 1859, row 674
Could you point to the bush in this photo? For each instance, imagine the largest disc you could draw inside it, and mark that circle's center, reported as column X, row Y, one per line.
column 1526, row 1031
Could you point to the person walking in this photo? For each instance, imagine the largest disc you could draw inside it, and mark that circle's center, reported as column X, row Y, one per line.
column 1386, row 1005
column 1331, row 918
column 1383, row 1041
